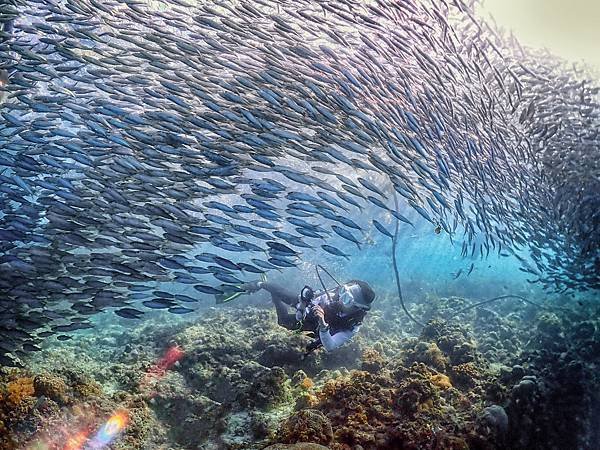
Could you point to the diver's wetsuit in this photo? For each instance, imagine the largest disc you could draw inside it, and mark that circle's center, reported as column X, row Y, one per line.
column 342, row 326
column 283, row 299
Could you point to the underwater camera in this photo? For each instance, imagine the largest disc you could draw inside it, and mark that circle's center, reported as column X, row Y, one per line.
column 307, row 294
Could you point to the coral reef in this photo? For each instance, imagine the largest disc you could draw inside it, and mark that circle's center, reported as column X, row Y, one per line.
column 297, row 446
column 478, row 382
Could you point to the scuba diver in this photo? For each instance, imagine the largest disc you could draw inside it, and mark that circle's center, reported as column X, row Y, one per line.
column 332, row 317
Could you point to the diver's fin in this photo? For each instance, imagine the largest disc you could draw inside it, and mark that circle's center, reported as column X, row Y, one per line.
column 227, row 297
column 238, row 290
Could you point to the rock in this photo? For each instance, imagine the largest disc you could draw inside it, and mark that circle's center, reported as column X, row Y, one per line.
column 255, row 386
column 495, row 417
column 549, row 324
column 279, row 354
column 269, row 388
column 524, row 389
column 186, row 413
column 517, row 372
column 505, row 374
column 584, row 330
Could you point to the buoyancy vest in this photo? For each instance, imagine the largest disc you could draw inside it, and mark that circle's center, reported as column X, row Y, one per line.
column 337, row 320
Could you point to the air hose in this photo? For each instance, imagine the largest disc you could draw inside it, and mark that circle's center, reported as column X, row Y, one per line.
column 502, row 297
column 475, row 305
column 394, row 241
column 319, row 266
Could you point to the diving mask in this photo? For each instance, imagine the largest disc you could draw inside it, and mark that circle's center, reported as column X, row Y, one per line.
column 351, row 295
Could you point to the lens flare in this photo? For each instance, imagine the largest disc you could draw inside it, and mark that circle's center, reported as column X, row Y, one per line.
column 76, row 441
column 109, row 431
column 173, row 355
column 158, row 370
column 84, row 420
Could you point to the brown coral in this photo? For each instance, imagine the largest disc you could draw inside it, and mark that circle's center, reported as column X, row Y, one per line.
column 428, row 353
column 307, row 383
column 52, row 387
column 19, row 390
column 88, row 389
column 372, row 360
column 297, row 446
column 415, row 395
column 466, row 375
column 308, row 425
column 435, row 356
column 441, row 381
column 306, row 400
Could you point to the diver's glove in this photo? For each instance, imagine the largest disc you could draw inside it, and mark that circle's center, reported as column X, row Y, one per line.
column 252, row 286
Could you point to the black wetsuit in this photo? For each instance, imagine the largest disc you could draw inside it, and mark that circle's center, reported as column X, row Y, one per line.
column 283, row 299
column 339, row 322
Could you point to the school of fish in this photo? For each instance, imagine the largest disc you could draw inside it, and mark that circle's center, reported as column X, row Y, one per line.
column 145, row 141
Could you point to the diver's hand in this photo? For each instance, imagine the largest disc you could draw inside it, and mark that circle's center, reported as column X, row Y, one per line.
column 320, row 315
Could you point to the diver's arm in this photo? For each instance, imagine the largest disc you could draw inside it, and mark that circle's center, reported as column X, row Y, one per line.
column 338, row 339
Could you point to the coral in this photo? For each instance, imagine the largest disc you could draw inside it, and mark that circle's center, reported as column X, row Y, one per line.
column 360, row 406
column 397, row 407
column 435, row 357
column 372, row 360
column 452, row 339
column 306, row 400
column 279, row 353
column 20, row 390
column 415, row 395
column 241, row 384
column 308, row 425
column 139, row 424
column 428, row 353
column 6, row 440
column 549, row 324
column 189, row 412
column 268, row 386
column 307, row 383
column 466, row 375
column 51, row 386
column 584, row 330
column 297, row 446
column 441, row 381
column 88, row 389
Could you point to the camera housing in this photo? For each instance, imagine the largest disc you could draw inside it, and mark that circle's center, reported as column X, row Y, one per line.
column 307, row 294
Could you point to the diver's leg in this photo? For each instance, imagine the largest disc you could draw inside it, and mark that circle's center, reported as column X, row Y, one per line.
column 281, row 293
column 284, row 318
column 283, row 300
